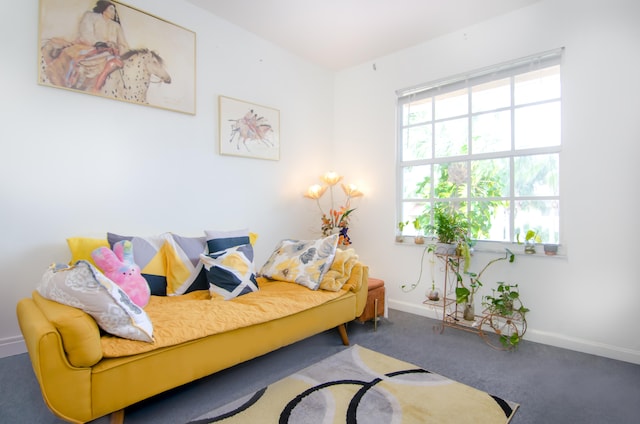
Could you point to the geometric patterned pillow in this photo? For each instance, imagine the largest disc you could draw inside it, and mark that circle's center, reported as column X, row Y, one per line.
column 231, row 272
column 185, row 272
column 84, row 287
column 149, row 256
column 218, row 241
column 301, row 261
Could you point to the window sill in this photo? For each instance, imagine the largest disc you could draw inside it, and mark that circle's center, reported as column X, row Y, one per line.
column 496, row 247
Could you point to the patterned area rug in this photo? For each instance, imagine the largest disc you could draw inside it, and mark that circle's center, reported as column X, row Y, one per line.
column 359, row 385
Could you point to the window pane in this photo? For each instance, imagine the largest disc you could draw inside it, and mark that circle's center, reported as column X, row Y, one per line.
column 410, row 211
column 541, row 216
column 490, row 178
column 452, row 104
column 491, row 132
column 490, row 96
column 537, row 85
column 489, row 220
column 416, row 143
column 416, row 182
column 537, row 126
column 451, row 180
column 457, row 206
column 536, row 175
column 451, row 137
column 417, row 112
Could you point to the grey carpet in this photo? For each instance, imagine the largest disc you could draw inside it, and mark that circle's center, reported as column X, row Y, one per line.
column 552, row 385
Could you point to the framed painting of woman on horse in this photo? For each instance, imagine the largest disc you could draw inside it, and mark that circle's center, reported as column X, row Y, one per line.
column 109, row 49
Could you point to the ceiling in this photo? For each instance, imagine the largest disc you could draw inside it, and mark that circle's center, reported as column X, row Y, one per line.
column 337, row 34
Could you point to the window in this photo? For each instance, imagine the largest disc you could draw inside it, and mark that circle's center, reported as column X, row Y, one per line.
column 486, row 144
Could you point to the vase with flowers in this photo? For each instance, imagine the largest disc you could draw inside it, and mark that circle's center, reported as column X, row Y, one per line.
column 336, row 220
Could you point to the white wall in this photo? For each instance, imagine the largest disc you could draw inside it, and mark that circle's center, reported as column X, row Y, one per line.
column 78, row 165
column 587, row 300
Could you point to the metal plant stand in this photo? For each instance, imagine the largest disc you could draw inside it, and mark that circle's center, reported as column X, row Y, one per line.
column 491, row 327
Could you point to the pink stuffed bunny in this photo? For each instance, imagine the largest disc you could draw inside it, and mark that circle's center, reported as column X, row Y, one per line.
column 119, row 267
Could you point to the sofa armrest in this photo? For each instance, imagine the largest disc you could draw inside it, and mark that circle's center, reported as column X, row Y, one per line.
column 79, row 331
column 66, row 389
column 358, row 283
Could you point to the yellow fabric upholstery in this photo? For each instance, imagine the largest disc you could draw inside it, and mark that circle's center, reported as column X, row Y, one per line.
column 81, row 393
column 79, row 331
column 66, row 389
column 340, row 270
column 178, row 319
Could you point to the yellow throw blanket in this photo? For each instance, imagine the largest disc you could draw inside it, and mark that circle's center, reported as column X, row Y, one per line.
column 341, row 271
column 178, row 319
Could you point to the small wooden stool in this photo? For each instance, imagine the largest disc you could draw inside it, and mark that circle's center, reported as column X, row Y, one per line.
column 375, row 302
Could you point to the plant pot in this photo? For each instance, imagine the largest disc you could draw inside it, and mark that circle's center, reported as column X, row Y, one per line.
column 419, row 239
column 446, row 248
column 433, row 295
column 399, row 238
column 550, row 249
column 529, row 247
column 469, row 312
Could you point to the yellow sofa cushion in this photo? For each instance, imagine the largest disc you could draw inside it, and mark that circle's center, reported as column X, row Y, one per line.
column 178, row 319
column 79, row 331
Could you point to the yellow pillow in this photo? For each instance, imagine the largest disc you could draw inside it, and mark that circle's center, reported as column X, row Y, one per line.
column 81, row 248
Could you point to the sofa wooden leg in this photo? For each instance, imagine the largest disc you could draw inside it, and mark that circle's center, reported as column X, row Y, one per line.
column 342, row 328
column 117, row 417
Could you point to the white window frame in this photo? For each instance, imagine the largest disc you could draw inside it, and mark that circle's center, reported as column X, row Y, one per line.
column 468, row 80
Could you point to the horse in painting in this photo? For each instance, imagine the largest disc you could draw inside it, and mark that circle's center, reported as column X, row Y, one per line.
column 63, row 64
column 133, row 80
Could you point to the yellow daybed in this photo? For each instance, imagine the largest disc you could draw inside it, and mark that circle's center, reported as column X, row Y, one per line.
column 84, row 375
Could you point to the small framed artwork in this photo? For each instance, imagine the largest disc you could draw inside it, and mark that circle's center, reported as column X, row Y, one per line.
column 249, row 130
column 109, row 49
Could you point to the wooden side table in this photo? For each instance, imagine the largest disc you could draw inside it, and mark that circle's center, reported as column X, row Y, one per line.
column 375, row 302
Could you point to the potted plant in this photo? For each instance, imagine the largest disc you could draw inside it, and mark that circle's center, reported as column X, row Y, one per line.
column 530, row 239
column 399, row 235
column 465, row 296
column 417, row 225
column 465, row 292
column 451, row 229
column 506, row 314
column 434, row 294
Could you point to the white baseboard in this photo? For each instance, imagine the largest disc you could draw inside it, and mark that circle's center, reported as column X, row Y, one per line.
column 552, row 339
column 12, row 346
column 582, row 345
column 412, row 308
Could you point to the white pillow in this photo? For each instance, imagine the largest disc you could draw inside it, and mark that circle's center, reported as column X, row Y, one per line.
column 84, row 287
column 301, row 261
